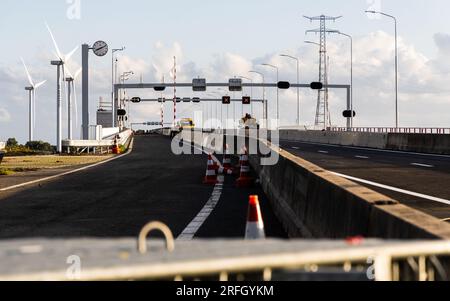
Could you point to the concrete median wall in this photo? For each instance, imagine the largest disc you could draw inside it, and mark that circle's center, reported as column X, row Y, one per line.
column 311, row 202
column 423, row 143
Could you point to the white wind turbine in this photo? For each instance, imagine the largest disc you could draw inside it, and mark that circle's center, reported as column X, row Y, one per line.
column 62, row 60
column 32, row 101
column 71, row 87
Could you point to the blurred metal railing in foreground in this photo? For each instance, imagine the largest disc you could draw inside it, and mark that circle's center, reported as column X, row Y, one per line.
column 387, row 130
column 228, row 260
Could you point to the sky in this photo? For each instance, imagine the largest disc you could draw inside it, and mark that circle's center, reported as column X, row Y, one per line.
column 222, row 39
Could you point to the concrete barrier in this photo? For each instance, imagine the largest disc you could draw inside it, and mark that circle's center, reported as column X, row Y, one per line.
column 311, row 202
column 423, row 143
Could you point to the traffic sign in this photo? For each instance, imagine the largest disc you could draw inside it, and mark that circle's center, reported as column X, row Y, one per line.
column 246, row 100
column 199, row 84
column 235, row 85
column 226, row 100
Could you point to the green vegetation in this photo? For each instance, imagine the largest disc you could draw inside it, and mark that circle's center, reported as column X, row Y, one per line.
column 13, row 148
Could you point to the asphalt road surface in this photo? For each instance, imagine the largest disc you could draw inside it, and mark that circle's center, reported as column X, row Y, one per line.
column 417, row 173
column 118, row 198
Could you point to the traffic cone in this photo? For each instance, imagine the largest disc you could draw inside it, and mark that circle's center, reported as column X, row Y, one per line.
column 227, row 168
column 116, row 147
column 211, row 172
column 255, row 224
column 245, row 178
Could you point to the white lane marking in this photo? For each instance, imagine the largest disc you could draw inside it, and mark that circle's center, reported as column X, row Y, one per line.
column 362, row 157
column 411, row 193
column 295, row 147
column 369, row 149
column 422, row 165
column 195, row 225
column 68, row 172
column 323, row 152
column 200, row 219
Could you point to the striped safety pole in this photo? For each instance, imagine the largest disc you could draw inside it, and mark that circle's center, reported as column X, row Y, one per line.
column 174, row 90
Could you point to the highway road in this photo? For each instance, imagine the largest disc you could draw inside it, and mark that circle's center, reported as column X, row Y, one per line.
column 118, row 198
column 420, row 181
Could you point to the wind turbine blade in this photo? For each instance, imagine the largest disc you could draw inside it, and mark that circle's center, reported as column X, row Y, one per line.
column 69, row 55
column 30, row 80
column 77, row 73
column 40, row 84
column 58, row 52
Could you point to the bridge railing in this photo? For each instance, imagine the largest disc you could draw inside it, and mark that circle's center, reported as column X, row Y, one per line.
column 388, row 130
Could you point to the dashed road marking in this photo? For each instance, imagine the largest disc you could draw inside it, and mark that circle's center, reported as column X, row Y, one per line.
column 195, row 225
column 295, row 147
column 411, row 193
column 200, row 219
column 362, row 157
column 369, row 149
column 324, row 152
column 422, row 165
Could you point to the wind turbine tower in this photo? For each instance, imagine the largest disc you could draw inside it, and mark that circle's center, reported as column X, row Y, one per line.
column 32, row 101
column 59, row 63
column 323, row 118
column 71, row 89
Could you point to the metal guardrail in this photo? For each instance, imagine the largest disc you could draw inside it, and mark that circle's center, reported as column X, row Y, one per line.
column 108, row 142
column 388, row 130
column 228, row 260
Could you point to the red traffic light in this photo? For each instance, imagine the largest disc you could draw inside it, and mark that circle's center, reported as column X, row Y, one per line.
column 246, row 100
column 316, row 86
column 226, row 100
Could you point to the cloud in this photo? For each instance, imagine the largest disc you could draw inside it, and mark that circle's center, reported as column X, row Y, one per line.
column 424, row 92
column 4, row 115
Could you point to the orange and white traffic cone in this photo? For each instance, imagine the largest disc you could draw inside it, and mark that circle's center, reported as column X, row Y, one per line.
column 211, row 172
column 116, row 147
column 255, row 224
column 227, row 168
column 245, row 178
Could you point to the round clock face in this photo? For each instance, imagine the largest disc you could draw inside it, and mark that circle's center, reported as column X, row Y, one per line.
column 100, row 48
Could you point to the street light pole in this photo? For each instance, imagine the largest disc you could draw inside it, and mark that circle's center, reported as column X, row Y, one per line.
column 278, row 91
column 251, row 94
column 396, row 62
column 351, row 75
column 298, row 82
column 113, row 77
column 265, row 106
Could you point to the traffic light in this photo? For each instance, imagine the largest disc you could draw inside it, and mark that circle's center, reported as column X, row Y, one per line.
column 316, row 86
column 284, row 85
column 121, row 112
column 226, row 100
column 136, row 100
column 159, row 88
column 348, row 114
column 246, row 100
